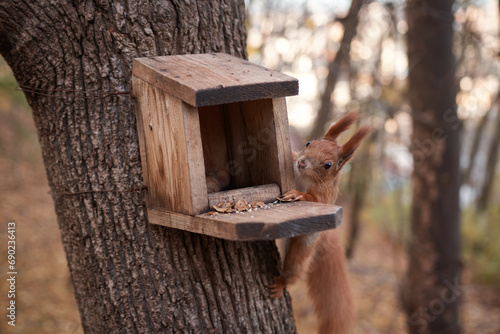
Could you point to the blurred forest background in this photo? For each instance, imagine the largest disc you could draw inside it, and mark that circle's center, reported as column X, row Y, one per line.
column 347, row 56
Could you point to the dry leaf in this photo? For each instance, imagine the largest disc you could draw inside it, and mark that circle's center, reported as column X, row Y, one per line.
column 212, row 213
column 257, row 204
column 241, row 205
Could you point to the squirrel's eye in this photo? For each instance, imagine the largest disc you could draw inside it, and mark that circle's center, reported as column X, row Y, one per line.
column 308, row 143
column 327, row 165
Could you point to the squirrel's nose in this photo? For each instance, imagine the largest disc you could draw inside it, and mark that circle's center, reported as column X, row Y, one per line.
column 301, row 164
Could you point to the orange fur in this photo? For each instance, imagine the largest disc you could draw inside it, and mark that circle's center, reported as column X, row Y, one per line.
column 320, row 255
column 328, row 286
column 341, row 125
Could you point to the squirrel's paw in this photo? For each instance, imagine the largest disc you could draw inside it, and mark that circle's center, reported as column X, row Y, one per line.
column 276, row 289
column 291, row 196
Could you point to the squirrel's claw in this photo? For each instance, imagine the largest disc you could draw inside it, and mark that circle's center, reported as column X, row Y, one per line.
column 291, row 196
column 276, row 289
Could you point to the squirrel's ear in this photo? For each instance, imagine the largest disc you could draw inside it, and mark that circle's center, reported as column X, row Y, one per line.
column 341, row 125
column 346, row 151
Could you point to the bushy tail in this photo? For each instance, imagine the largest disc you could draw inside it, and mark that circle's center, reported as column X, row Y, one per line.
column 329, row 286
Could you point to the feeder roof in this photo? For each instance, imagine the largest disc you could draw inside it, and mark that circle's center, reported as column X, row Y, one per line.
column 211, row 79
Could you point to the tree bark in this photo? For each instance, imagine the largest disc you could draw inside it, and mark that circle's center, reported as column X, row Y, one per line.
column 130, row 276
column 431, row 290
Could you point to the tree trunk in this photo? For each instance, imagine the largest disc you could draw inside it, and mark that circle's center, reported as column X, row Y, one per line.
column 130, row 276
column 431, row 290
column 478, row 135
column 491, row 165
column 359, row 181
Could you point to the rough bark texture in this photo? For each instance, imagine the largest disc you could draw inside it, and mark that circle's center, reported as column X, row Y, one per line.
column 431, row 291
column 129, row 276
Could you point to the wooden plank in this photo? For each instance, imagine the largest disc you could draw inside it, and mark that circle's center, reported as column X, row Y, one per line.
column 266, row 193
column 281, row 149
column 209, row 79
column 195, row 159
column 137, row 85
column 280, row 221
column 173, row 154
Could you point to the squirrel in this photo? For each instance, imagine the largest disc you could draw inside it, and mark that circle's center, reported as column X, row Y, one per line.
column 317, row 172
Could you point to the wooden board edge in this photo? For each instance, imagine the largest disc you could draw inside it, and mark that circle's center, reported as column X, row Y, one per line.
column 252, row 231
column 287, row 86
column 283, row 146
column 194, row 224
column 288, row 229
column 232, row 94
column 195, row 159
column 136, row 83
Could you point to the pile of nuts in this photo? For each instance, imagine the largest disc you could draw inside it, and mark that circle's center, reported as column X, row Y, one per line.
column 242, row 206
column 239, row 206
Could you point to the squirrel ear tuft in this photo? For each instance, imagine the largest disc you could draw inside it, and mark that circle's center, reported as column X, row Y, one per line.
column 341, row 125
column 347, row 150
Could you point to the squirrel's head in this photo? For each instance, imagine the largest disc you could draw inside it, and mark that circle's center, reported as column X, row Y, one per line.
column 322, row 159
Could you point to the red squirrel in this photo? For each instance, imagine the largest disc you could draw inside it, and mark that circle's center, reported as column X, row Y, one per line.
column 320, row 255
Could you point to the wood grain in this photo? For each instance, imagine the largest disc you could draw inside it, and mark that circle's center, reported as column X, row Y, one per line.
column 246, row 152
column 281, row 221
column 216, row 78
column 171, row 151
column 281, row 147
column 256, row 155
column 266, row 193
column 195, row 159
column 214, row 144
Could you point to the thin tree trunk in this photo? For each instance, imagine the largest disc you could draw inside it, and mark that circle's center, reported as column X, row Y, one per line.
column 350, row 23
column 359, row 177
column 475, row 147
column 360, row 174
column 431, row 289
column 489, row 179
column 130, row 276
column 491, row 165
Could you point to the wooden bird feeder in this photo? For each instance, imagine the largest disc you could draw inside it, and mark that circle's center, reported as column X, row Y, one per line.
column 207, row 113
